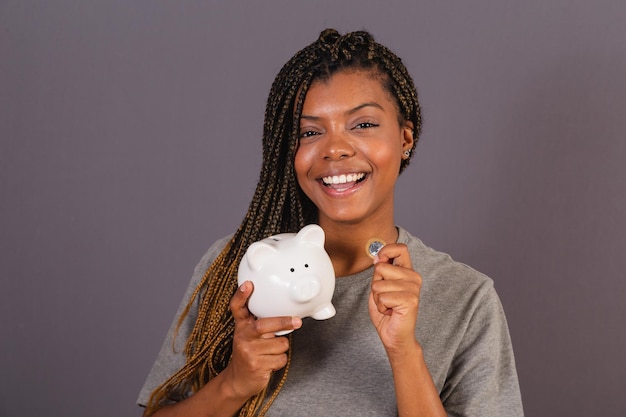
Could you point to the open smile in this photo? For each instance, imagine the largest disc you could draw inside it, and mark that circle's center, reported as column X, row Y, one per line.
column 343, row 181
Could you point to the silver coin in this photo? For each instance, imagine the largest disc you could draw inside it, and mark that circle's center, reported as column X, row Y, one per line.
column 374, row 246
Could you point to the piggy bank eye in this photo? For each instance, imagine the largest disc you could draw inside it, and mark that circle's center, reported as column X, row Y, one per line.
column 306, row 265
column 292, row 269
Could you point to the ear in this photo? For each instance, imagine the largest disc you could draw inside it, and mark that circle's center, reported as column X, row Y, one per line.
column 313, row 234
column 407, row 135
column 258, row 253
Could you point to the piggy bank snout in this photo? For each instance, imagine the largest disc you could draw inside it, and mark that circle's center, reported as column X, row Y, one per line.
column 305, row 289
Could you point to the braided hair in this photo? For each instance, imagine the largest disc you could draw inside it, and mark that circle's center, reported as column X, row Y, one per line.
column 278, row 204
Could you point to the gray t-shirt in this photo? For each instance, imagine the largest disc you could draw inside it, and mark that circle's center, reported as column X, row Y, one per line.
column 339, row 366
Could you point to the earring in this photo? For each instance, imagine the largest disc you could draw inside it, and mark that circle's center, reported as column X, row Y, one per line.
column 406, row 153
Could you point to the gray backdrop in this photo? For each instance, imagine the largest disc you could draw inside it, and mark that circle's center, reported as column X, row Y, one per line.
column 130, row 141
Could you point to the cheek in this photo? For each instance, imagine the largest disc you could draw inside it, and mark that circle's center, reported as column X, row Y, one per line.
column 386, row 156
column 300, row 166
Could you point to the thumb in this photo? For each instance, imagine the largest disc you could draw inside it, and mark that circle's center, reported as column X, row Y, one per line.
column 239, row 302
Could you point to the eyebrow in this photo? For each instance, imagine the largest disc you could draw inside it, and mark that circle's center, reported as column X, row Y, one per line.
column 349, row 112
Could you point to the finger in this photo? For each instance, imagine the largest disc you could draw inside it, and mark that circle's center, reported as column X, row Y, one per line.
column 277, row 362
column 380, row 286
column 388, row 272
column 254, row 361
column 265, row 348
column 267, row 327
column 398, row 301
column 239, row 302
column 390, row 294
column 396, row 254
column 274, row 361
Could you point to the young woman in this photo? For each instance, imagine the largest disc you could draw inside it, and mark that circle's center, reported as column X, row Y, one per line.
column 415, row 334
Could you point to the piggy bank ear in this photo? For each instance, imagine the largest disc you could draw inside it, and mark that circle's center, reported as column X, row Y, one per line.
column 258, row 253
column 313, row 234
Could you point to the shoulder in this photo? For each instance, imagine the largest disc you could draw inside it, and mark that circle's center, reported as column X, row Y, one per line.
column 464, row 333
column 171, row 357
column 453, row 293
column 188, row 322
column 440, row 269
column 207, row 259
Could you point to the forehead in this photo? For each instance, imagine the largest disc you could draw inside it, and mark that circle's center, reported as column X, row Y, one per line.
column 349, row 87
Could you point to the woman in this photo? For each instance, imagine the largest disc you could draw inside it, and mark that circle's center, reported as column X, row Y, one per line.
column 416, row 334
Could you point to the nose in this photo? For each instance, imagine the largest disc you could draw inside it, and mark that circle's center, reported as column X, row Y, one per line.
column 337, row 146
column 305, row 289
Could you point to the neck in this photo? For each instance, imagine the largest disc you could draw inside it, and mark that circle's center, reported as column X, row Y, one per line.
column 346, row 244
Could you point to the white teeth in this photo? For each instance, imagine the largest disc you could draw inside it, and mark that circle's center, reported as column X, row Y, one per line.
column 342, row 179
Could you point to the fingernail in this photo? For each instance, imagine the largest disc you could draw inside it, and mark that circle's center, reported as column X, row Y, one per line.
column 296, row 322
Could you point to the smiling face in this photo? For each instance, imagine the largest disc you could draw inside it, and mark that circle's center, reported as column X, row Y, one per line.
column 351, row 146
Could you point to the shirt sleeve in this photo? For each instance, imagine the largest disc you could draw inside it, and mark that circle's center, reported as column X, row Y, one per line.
column 483, row 381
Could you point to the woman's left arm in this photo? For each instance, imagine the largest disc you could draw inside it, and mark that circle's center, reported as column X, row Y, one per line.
column 393, row 309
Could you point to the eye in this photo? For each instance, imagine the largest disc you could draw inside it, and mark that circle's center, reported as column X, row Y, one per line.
column 365, row 125
column 292, row 270
column 308, row 133
column 306, row 265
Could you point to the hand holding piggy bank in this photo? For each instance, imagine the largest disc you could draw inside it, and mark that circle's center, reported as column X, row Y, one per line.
column 292, row 275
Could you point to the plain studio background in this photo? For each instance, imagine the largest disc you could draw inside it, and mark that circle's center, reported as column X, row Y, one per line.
column 130, row 141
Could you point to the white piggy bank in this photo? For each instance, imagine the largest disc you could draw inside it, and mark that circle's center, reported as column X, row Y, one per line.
column 292, row 275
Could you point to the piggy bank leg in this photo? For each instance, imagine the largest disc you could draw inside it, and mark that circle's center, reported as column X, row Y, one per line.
column 325, row 311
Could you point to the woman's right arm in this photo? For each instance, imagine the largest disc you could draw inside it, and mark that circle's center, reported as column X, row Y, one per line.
column 257, row 353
